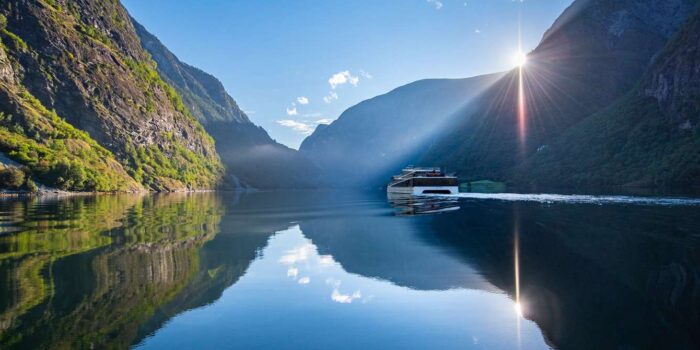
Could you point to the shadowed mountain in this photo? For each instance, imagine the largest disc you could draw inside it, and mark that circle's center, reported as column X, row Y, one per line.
column 251, row 156
column 593, row 54
column 650, row 137
column 376, row 137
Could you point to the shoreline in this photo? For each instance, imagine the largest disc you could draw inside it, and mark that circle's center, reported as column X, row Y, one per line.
column 60, row 193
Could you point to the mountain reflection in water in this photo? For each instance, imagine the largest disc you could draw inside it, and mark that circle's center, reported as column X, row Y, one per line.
column 343, row 270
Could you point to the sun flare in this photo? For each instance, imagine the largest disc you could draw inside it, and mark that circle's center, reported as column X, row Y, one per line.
column 518, row 309
column 520, row 59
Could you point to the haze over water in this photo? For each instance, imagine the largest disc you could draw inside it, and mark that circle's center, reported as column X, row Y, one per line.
column 348, row 270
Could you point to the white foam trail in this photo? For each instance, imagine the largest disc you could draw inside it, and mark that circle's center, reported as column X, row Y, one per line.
column 580, row 199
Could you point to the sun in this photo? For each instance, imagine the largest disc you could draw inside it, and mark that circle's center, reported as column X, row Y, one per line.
column 518, row 309
column 520, row 59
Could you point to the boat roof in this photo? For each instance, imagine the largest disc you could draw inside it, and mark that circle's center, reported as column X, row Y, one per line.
column 412, row 171
column 411, row 168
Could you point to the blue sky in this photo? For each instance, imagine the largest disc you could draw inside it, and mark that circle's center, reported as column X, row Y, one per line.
column 293, row 64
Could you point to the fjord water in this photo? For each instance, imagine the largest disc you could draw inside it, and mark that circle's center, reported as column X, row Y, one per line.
column 348, row 270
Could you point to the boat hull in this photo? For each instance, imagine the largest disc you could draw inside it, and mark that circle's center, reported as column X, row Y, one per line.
column 423, row 190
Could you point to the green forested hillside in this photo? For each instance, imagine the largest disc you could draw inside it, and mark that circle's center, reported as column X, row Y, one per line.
column 83, row 107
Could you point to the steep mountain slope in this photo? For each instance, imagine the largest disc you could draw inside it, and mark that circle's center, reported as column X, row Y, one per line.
column 79, row 65
column 251, row 156
column 593, row 54
column 372, row 139
column 649, row 137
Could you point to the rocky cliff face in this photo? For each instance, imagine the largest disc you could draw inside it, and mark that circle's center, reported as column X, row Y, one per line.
column 83, row 61
column 674, row 79
column 376, row 137
column 251, row 156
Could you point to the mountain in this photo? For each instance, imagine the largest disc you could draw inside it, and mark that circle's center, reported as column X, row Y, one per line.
column 651, row 137
column 84, row 108
column 251, row 156
column 592, row 56
column 374, row 138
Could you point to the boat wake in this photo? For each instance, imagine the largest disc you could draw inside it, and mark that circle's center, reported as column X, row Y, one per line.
column 580, row 199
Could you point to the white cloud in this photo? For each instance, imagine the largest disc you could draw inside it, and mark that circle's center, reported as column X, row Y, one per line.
column 331, row 97
column 477, row 31
column 341, row 78
column 326, row 260
column 292, row 110
column 299, row 253
column 292, row 272
column 301, row 127
column 304, row 280
column 437, row 3
column 303, row 100
column 345, row 298
column 307, row 128
column 365, row 74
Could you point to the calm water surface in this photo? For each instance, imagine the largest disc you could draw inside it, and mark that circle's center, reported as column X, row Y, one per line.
column 320, row 270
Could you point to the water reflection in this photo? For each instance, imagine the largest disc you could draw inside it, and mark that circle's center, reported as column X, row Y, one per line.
column 327, row 269
column 269, row 308
column 591, row 276
column 85, row 272
column 407, row 204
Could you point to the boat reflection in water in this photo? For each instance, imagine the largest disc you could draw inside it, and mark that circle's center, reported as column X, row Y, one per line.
column 407, row 204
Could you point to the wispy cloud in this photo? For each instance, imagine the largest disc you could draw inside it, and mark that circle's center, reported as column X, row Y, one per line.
column 436, row 3
column 292, row 110
column 365, row 74
column 477, row 31
column 303, row 100
column 332, row 95
column 301, row 127
column 341, row 78
column 305, row 127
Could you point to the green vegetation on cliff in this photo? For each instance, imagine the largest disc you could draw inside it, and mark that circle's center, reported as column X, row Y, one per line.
column 84, row 107
column 58, row 154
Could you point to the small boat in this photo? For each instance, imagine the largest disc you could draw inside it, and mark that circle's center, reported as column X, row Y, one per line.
column 420, row 181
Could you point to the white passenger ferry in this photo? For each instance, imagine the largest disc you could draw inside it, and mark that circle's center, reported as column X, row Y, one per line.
column 419, row 181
